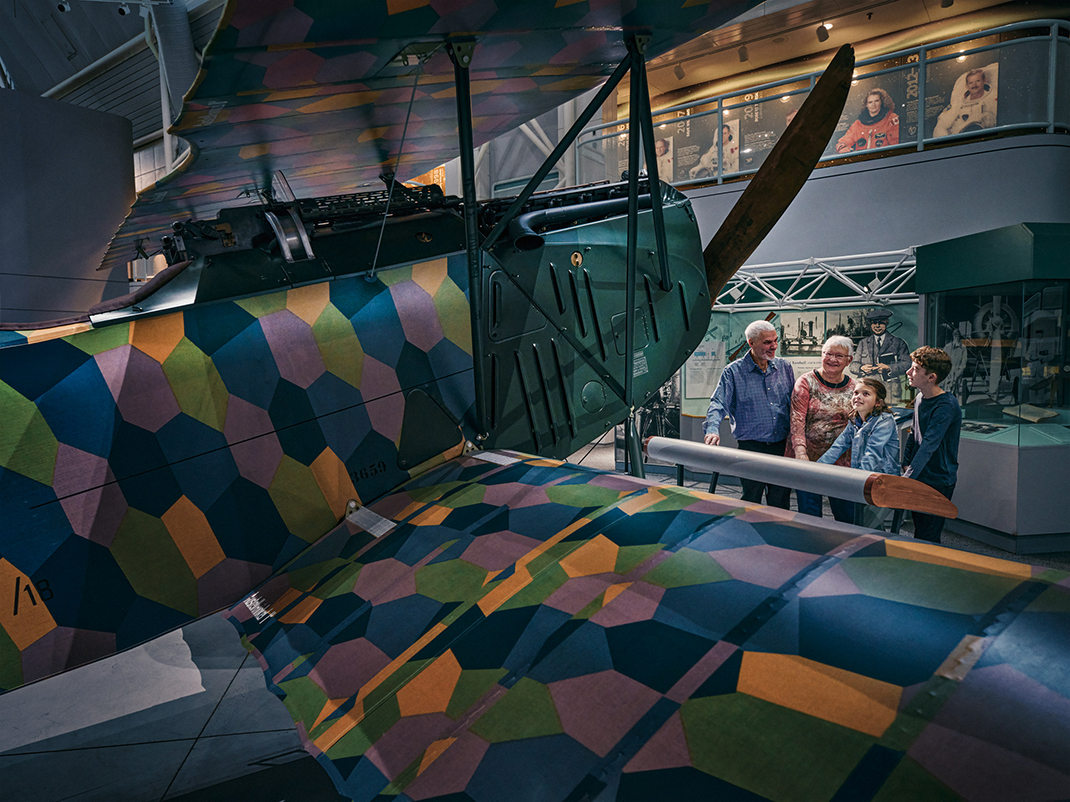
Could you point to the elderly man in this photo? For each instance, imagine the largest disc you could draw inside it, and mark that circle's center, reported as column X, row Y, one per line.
column 755, row 394
column 882, row 355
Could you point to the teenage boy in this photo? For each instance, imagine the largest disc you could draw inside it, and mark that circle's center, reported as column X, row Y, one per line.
column 933, row 444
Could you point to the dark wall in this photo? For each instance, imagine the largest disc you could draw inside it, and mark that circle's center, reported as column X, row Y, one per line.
column 913, row 199
column 66, row 184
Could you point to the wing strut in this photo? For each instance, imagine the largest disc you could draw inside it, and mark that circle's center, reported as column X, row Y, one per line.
column 640, row 117
column 641, row 124
column 461, row 56
column 555, row 155
column 636, row 45
column 782, row 175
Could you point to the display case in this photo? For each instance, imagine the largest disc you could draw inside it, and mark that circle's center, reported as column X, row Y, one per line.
column 1008, row 342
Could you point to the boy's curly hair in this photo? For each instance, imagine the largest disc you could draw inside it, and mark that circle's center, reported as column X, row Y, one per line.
column 933, row 360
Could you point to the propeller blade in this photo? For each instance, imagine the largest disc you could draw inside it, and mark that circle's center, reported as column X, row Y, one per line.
column 783, row 174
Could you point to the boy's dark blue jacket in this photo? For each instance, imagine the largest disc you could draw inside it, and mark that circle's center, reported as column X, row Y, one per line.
column 936, row 460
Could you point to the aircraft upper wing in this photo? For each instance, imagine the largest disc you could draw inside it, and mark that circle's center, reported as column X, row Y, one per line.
column 321, row 90
column 528, row 629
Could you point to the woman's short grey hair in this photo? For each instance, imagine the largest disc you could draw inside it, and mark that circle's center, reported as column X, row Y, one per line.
column 752, row 330
column 839, row 341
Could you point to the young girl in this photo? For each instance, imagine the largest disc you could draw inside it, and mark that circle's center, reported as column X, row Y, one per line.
column 873, row 438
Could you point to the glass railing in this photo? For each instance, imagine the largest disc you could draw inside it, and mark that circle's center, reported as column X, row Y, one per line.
column 1005, row 79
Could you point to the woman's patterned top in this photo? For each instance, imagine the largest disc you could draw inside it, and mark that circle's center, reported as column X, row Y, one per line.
column 819, row 412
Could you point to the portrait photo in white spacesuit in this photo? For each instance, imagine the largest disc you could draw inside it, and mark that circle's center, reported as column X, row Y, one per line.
column 972, row 102
column 707, row 163
column 664, row 150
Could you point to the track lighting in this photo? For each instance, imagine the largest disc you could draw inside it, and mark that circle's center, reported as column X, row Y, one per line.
column 743, row 53
column 123, row 9
column 63, row 7
column 678, row 71
column 823, row 32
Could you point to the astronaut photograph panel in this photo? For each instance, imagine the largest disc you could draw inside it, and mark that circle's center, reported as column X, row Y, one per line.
column 708, row 158
column 962, row 95
column 872, row 116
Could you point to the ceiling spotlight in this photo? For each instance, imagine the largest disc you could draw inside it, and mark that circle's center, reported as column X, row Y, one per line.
column 823, row 32
column 946, row 3
column 743, row 54
column 63, row 7
column 123, row 9
column 678, row 71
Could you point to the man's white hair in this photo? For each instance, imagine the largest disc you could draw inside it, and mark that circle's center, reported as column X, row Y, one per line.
column 751, row 332
column 839, row 341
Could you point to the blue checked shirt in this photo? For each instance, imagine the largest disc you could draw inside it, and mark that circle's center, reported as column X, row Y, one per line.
column 757, row 403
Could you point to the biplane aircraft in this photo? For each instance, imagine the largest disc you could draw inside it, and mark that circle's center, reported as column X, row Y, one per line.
column 340, row 417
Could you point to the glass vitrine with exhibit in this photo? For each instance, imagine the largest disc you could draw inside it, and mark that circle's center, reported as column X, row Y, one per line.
column 1009, row 343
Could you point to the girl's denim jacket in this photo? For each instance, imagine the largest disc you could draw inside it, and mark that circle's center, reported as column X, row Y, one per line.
column 874, row 444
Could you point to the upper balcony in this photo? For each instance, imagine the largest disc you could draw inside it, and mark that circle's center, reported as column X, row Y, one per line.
column 935, row 95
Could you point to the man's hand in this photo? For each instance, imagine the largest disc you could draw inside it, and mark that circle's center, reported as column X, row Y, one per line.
column 712, row 439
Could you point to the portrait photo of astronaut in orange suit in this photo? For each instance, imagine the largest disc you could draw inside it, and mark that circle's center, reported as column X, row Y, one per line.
column 877, row 125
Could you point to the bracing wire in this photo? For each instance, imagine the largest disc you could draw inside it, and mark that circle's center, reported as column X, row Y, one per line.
column 393, row 175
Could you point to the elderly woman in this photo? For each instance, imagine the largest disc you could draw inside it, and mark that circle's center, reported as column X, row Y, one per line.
column 820, row 409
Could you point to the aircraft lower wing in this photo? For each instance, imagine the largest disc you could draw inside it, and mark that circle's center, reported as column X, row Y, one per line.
column 523, row 628
column 332, row 93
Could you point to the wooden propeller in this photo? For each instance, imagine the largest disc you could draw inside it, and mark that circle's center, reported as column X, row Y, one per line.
column 783, row 174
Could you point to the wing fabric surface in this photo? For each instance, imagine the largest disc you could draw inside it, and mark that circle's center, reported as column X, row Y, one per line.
column 316, row 89
column 538, row 630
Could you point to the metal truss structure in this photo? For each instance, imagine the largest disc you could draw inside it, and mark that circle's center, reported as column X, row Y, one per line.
column 885, row 278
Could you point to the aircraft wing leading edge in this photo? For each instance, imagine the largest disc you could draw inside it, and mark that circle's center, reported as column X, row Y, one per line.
column 531, row 629
column 324, row 91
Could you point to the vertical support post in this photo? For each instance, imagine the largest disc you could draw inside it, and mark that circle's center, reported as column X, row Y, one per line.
column 897, row 521
column 566, row 117
column 165, row 121
column 720, row 137
column 631, row 437
column 1053, row 69
column 922, row 69
column 461, row 55
column 646, row 125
